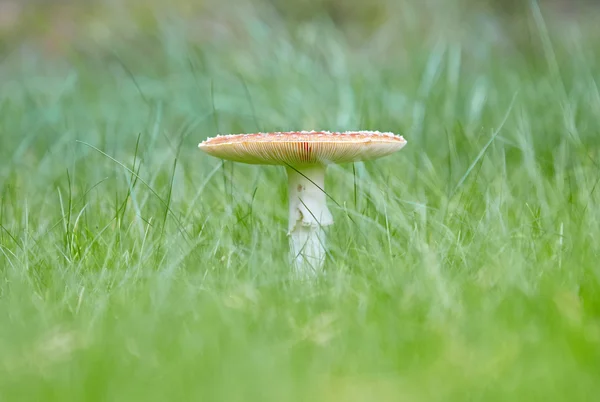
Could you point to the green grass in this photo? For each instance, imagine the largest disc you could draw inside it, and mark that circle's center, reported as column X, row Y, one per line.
column 463, row 268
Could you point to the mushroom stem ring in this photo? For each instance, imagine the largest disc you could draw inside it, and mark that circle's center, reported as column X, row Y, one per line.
column 306, row 155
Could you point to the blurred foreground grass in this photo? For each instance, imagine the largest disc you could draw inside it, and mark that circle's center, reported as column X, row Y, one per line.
column 136, row 268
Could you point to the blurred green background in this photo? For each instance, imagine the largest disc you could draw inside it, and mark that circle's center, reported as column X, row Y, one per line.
column 134, row 267
column 58, row 26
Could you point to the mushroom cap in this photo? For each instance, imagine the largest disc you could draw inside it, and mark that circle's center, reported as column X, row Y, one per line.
column 299, row 148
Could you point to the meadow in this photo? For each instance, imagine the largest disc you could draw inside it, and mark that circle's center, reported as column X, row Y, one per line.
column 135, row 267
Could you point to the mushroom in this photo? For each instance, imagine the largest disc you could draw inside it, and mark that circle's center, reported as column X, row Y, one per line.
column 305, row 154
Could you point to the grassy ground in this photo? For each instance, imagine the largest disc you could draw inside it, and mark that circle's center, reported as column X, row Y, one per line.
column 464, row 268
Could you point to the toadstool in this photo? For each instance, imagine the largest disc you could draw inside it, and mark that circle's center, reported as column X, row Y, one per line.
column 305, row 154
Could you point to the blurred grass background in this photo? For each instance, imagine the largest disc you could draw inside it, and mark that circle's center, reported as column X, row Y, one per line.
column 134, row 267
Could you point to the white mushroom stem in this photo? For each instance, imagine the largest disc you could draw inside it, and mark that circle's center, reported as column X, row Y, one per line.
column 308, row 217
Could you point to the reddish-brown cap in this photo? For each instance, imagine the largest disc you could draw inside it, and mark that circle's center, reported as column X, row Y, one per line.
column 303, row 147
